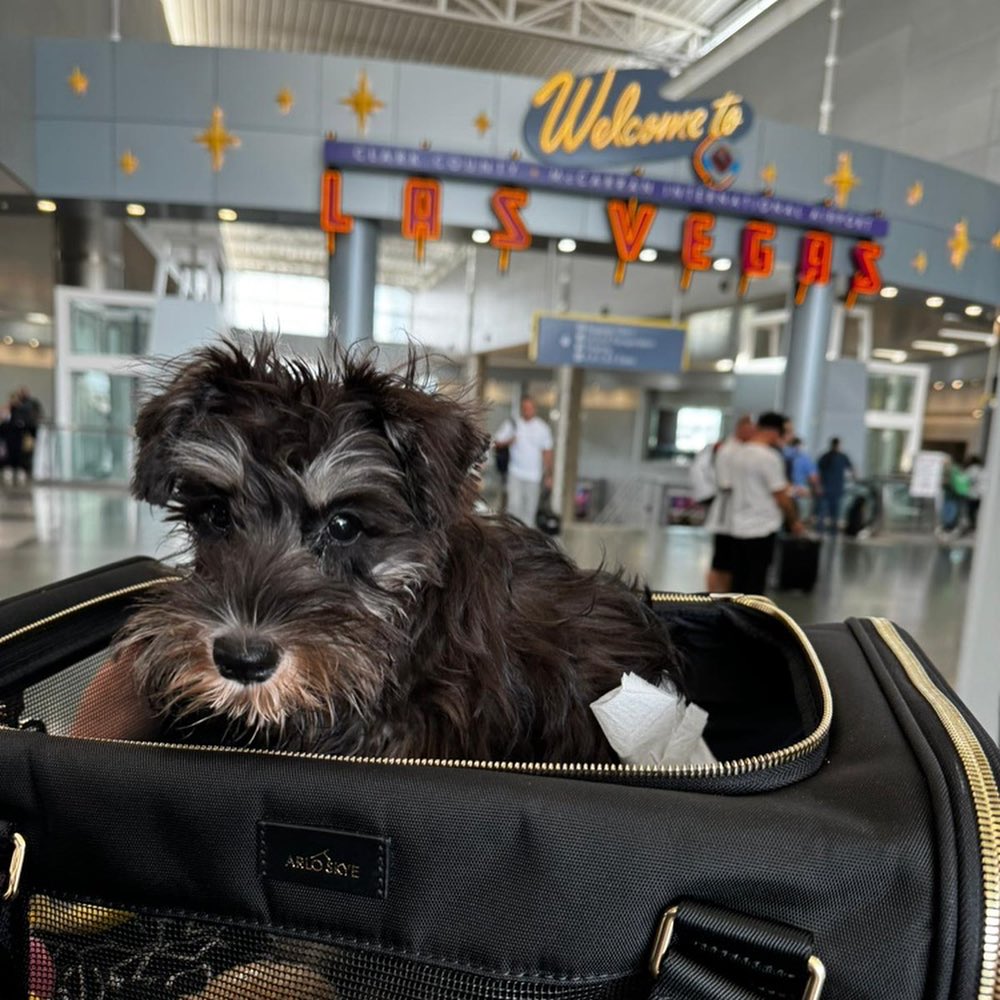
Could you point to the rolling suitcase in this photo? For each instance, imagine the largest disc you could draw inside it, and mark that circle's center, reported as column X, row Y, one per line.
column 843, row 846
column 798, row 563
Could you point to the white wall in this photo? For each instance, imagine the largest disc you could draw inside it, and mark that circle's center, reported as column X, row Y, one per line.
column 917, row 76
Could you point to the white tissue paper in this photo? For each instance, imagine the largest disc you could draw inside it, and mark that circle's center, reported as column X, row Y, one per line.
column 652, row 726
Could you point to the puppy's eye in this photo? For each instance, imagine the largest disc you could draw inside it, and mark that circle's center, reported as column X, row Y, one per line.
column 213, row 519
column 343, row 528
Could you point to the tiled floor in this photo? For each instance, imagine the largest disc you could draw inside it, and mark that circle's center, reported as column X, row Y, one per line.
column 52, row 533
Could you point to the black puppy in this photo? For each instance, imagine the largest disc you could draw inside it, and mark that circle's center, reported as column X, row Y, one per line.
column 343, row 596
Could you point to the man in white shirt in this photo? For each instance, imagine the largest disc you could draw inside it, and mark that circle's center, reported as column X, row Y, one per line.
column 720, row 574
column 530, row 441
column 761, row 503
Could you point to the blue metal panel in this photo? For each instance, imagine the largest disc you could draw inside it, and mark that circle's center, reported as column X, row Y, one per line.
column 452, row 102
column 249, row 84
column 272, row 171
column 74, row 159
column 55, row 60
column 340, row 79
column 172, row 166
column 802, row 159
column 165, row 84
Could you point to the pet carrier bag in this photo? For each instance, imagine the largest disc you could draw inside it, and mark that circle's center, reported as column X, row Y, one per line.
column 846, row 844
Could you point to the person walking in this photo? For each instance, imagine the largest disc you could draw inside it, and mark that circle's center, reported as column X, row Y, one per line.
column 529, row 439
column 27, row 414
column 719, row 519
column 761, row 503
column 977, row 481
column 804, row 477
column 834, row 466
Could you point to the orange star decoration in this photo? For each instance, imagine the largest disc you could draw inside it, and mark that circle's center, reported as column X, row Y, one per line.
column 915, row 193
column 128, row 163
column 285, row 100
column 78, row 82
column 217, row 139
column 960, row 244
column 363, row 102
column 769, row 175
column 482, row 123
column 842, row 180
column 995, row 242
column 919, row 263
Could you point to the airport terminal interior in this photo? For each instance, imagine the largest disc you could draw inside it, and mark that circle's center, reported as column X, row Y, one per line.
column 172, row 171
column 719, row 283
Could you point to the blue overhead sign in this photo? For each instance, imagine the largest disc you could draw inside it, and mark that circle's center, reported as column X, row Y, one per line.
column 608, row 342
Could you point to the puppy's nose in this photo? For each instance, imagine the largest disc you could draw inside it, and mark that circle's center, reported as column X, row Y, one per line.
column 246, row 660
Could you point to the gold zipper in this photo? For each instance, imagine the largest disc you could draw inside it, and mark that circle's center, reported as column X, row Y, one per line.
column 729, row 768
column 83, row 605
column 985, row 798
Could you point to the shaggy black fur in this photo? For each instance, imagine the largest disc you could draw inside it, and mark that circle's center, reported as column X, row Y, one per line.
column 343, row 596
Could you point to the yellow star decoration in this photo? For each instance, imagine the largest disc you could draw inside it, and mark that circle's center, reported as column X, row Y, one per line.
column 915, row 193
column 128, row 163
column 919, row 263
column 482, row 123
column 842, row 180
column 995, row 242
column 78, row 81
column 960, row 244
column 216, row 139
column 285, row 100
column 363, row 102
column 769, row 175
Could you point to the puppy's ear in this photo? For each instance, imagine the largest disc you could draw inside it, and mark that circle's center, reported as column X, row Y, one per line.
column 439, row 439
column 167, row 419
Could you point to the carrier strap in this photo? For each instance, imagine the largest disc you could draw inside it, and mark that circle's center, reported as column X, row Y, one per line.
column 13, row 911
column 704, row 952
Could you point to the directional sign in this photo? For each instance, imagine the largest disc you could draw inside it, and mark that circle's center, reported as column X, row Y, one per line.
column 608, row 342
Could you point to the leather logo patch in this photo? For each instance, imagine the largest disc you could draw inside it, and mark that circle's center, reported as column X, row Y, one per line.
column 324, row 859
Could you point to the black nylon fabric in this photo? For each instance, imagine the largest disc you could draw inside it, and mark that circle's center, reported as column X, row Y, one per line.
column 956, row 959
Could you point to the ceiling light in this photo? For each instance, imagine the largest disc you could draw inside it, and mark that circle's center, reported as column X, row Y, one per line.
column 8, row 340
column 33, row 342
column 39, row 318
column 227, row 215
column 938, row 386
column 722, row 264
column 724, row 365
column 977, row 413
column 136, row 210
column 974, row 311
column 480, row 236
column 934, row 301
column 566, row 245
column 647, row 255
column 937, row 347
column 889, row 291
column 958, row 384
column 44, row 205
column 977, row 336
column 888, row 354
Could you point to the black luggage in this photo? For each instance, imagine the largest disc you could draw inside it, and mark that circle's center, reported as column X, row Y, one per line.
column 845, row 845
column 798, row 562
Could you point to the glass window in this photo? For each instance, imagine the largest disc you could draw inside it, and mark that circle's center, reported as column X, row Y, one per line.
column 697, row 426
column 96, row 328
column 891, row 393
column 279, row 303
column 886, row 448
column 100, row 439
column 393, row 314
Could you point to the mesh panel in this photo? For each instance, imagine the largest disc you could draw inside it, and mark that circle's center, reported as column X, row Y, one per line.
column 80, row 951
column 55, row 701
